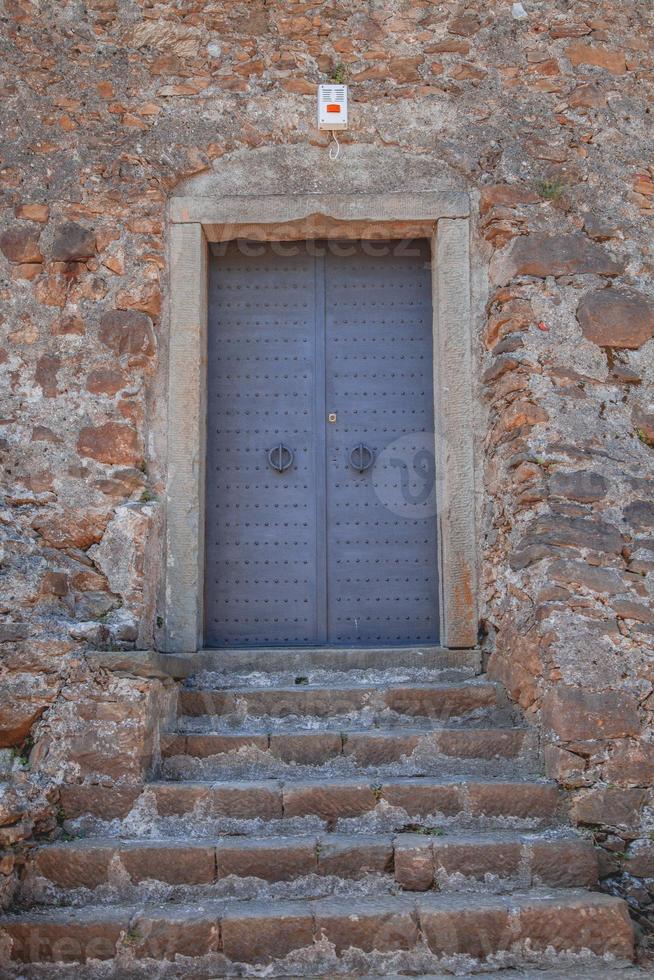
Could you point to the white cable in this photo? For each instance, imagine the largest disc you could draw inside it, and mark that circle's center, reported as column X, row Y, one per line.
column 334, row 153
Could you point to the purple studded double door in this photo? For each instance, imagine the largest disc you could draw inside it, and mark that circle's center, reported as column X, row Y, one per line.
column 320, row 476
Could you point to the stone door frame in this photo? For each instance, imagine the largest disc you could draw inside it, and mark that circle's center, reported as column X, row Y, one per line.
column 195, row 222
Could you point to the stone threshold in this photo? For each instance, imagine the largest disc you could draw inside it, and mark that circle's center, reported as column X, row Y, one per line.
column 176, row 666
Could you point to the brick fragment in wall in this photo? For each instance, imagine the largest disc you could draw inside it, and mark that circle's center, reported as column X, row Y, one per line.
column 575, row 713
column 597, row 56
column 569, row 768
column 66, row 528
column 602, row 580
column 127, row 332
column 26, row 696
column 617, row 318
column 114, row 443
column 585, row 486
column 640, row 858
column 542, row 255
column 518, row 664
column 20, row 243
column 630, row 763
column 549, row 532
column 72, row 243
column 639, row 514
column 615, row 807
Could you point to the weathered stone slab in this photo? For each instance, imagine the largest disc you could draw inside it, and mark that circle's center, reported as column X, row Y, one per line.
column 574, row 713
column 542, row 255
column 617, row 318
column 379, row 925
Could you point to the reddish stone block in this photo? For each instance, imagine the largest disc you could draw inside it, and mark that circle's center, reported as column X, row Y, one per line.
column 563, row 864
column 424, row 798
column 603, row 927
column 473, row 932
column 441, row 702
column 244, row 801
column 621, row 318
column 540, row 255
column 476, row 858
column 172, row 744
column 256, row 936
column 414, row 863
column 74, row 865
column 71, row 938
column 72, row 243
column 609, row 807
column 21, row 244
column 196, row 703
column 127, row 332
column 380, row 748
column 597, row 56
column 630, row 764
column 204, row 746
column 308, row 749
column 279, row 859
column 524, row 800
column 481, row 743
column 354, row 857
column 175, row 799
column 575, row 713
column 108, row 802
column 174, row 863
column 33, row 212
column 328, row 800
column 112, row 443
column 171, row 933
column 106, row 381
column 379, row 925
column 67, row 528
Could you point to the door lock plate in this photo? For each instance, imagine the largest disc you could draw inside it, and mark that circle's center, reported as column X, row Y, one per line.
column 331, row 417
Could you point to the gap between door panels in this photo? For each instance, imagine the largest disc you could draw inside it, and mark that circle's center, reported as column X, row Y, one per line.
column 320, row 442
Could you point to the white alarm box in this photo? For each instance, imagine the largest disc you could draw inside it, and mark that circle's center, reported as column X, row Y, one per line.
column 332, row 107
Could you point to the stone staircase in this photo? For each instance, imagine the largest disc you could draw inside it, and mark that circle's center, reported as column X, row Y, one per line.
column 320, row 813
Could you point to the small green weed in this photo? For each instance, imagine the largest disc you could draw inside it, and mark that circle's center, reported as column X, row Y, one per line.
column 551, row 190
column 418, row 828
column 339, row 74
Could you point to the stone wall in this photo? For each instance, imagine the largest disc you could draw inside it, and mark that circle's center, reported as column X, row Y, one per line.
column 543, row 113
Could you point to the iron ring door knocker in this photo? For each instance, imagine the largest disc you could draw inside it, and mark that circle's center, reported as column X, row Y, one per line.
column 362, row 458
column 281, row 458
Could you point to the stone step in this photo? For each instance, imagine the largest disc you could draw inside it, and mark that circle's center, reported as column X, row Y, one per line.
column 477, row 926
column 453, row 862
column 432, row 701
column 302, row 660
column 217, row 681
column 364, row 747
column 397, row 751
column 526, row 803
column 417, row 862
column 542, row 971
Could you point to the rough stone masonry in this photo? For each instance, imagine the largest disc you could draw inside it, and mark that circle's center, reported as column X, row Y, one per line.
column 546, row 120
